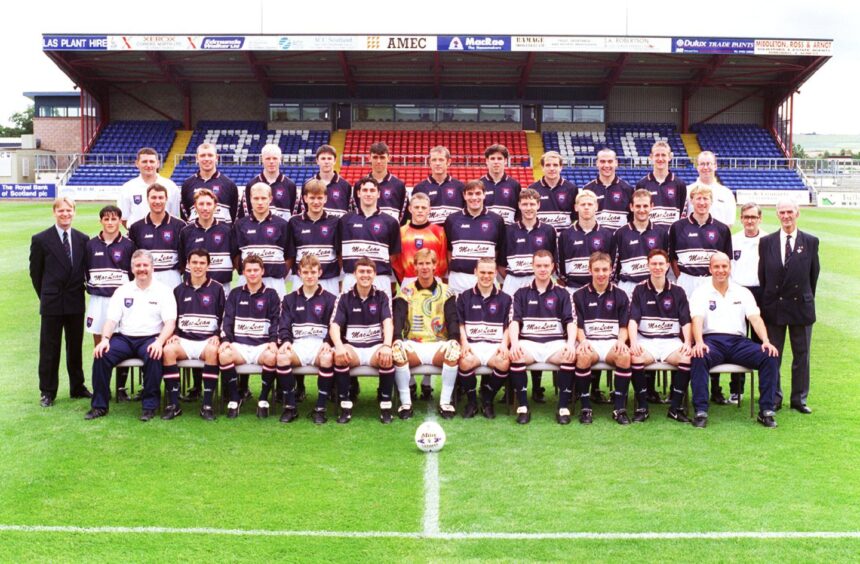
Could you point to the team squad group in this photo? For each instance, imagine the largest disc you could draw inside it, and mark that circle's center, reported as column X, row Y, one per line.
column 483, row 274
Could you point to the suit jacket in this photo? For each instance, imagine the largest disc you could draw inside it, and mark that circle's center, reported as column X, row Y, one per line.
column 58, row 283
column 788, row 291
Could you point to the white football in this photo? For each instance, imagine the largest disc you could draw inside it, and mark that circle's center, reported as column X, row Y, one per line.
column 430, row 437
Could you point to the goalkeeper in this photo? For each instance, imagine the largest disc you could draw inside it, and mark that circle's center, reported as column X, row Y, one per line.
column 426, row 330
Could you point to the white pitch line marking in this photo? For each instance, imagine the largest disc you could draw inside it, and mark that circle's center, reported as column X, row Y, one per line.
column 431, row 489
column 724, row 535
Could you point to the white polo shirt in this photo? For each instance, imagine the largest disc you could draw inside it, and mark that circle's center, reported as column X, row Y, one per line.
column 723, row 314
column 723, row 204
column 745, row 258
column 140, row 313
column 133, row 203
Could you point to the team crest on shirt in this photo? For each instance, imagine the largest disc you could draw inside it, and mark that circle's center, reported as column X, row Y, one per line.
column 216, row 189
column 89, row 321
column 279, row 193
column 373, row 308
column 318, row 309
column 493, row 307
column 261, row 304
column 270, row 231
column 137, row 199
column 206, row 300
column 562, row 198
column 217, row 238
column 712, row 305
column 651, row 242
column 737, row 255
column 610, row 303
column 376, row 227
column 539, row 240
column 596, row 244
column 386, row 193
column 506, row 192
column 449, row 192
column 667, row 303
column 616, row 196
column 167, row 236
column 117, row 255
column 419, row 243
column 128, row 302
column 485, row 226
column 335, row 194
column 711, row 235
column 550, row 302
column 324, row 230
column 670, row 191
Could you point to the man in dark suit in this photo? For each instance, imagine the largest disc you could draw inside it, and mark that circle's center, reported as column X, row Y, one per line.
column 57, row 271
column 788, row 274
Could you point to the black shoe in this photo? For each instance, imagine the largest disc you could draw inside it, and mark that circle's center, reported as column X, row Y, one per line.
column 563, row 416
column 147, row 415
column 700, row 421
column 138, row 396
column 470, row 411
column 172, row 411
column 83, row 393
column 207, row 413
column 345, row 416
column 233, row 410
column 426, row 393
column 678, row 416
column 802, row 408
column 641, row 415
column 318, row 416
column 719, row 399
column 191, row 394
column 620, row 416
column 289, row 415
column 766, row 419
column 385, row 416
column 598, row 397
column 488, row 411
column 95, row 413
column 46, row 401
column 538, row 395
column 405, row 412
column 301, row 395
column 447, row 411
column 122, row 396
column 654, row 397
column 523, row 417
column 262, row 410
column 586, row 417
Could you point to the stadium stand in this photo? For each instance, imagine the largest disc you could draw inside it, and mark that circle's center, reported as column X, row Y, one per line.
column 242, row 138
column 102, row 174
column 465, row 146
column 631, row 140
column 241, row 174
column 126, row 137
column 740, row 141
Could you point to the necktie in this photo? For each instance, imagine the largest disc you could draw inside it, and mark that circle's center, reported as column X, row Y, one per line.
column 66, row 246
column 787, row 247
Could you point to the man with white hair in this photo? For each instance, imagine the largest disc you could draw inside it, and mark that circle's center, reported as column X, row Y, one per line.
column 141, row 317
column 788, row 272
column 723, row 201
column 283, row 188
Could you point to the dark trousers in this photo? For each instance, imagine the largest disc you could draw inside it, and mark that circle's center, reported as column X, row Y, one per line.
column 50, row 343
column 122, row 348
column 736, row 350
column 800, row 339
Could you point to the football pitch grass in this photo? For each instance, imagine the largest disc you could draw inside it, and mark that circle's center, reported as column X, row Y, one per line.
column 118, row 489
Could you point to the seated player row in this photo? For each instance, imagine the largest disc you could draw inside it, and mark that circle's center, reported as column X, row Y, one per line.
column 428, row 325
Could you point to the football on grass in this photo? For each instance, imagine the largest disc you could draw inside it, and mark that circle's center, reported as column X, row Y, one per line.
column 430, row 437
